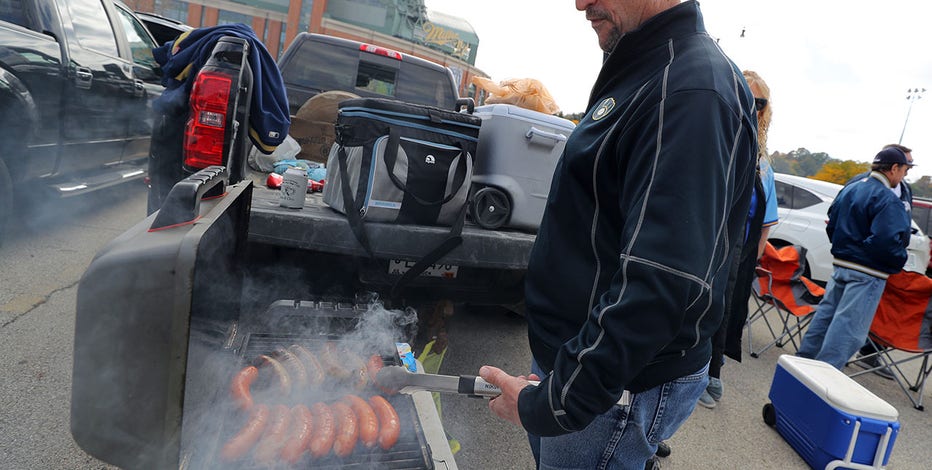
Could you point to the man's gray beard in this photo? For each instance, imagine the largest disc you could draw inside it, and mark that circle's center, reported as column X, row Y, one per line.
column 613, row 37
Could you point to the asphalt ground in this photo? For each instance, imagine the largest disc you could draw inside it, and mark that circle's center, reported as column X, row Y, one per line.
column 733, row 435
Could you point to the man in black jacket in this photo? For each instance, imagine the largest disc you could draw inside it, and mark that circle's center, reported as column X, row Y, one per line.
column 625, row 285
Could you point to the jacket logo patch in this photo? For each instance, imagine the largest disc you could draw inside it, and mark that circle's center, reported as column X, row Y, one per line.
column 430, row 160
column 605, row 107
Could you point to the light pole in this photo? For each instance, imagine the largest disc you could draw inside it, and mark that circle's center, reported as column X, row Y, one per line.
column 913, row 95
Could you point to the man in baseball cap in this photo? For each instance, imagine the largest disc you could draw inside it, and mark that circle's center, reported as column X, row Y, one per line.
column 869, row 231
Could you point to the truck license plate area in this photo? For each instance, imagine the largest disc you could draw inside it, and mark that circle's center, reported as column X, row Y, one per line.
column 446, row 271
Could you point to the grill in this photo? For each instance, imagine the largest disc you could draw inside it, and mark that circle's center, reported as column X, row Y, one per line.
column 213, row 419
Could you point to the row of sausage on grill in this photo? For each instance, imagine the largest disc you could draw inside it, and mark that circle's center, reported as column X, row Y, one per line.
column 276, row 432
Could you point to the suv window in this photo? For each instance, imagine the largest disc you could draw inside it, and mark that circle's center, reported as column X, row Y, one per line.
column 91, row 26
column 792, row 197
column 140, row 43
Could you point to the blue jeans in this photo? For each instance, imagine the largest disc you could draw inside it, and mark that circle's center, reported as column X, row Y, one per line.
column 843, row 318
column 623, row 437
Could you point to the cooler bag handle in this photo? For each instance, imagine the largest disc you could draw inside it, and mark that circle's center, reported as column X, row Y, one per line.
column 453, row 240
column 349, row 204
column 391, row 157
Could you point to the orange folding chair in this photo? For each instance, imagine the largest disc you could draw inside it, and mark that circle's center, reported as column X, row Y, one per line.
column 781, row 288
column 902, row 332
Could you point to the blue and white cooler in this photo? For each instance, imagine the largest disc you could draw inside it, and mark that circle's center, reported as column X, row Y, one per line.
column 828, row 418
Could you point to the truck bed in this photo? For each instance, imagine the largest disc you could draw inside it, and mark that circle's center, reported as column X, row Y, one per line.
column 317, row 227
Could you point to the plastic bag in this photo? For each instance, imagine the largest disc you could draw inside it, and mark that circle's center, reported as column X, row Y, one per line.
column 266, row 163
column 528, row 93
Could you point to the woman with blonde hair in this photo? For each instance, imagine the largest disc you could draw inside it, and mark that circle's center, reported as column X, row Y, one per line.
column 762, row 216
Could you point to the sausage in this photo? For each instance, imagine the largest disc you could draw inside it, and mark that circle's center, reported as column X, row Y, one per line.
column 302, row 425
column 247, row 437
column 295, row 367
column 373, row 366
column 239, row 388
column 347, row 431
column 315, row 372
column 274, row 436
column 389, row 424
column 324, row 430
column 366, row 420
column 333, row 365
column 284, row 380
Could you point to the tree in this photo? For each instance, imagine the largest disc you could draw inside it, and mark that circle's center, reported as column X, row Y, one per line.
column 836, row 171
column 922, row 187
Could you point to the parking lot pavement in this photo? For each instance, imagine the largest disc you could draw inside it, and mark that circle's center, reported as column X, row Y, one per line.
column 733, row 434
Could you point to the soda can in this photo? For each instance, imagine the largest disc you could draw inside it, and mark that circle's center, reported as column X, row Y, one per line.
column 294, row 188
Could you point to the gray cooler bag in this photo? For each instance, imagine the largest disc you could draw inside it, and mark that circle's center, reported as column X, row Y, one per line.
column 402, row 163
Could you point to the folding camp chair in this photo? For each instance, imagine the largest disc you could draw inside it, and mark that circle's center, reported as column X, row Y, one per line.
column 780, row 287
column 902, row 332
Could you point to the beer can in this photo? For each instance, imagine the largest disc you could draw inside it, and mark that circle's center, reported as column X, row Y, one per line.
column 294, row 188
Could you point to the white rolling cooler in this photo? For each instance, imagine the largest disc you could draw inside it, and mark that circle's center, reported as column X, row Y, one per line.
column 828, row 418
column 517, row 152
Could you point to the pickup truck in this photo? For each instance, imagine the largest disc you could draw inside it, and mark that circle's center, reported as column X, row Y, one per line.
column 76, row 82
column 168, row 311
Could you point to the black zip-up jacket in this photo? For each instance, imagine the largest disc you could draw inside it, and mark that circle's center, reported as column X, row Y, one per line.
column 626, row 281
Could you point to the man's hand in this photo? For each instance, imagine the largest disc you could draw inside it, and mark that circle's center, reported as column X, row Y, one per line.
column 506, row 404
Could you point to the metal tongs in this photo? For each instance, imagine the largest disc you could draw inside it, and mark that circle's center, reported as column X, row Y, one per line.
column 398, row 379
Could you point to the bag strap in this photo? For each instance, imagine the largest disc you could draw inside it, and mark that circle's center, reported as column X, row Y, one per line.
column 349, row 205
column 453, row 240
column 391, row 157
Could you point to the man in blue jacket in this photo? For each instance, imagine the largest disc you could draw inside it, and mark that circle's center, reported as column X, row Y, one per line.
column 869, row 231
column 625, row 284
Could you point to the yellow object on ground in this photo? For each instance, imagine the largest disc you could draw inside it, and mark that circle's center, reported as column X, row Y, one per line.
column 431, row 360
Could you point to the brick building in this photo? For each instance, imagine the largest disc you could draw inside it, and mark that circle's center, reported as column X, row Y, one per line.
column 403, row 25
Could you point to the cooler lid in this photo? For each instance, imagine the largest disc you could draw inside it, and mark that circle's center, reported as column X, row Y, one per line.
column 837, row 389
column 502, row 109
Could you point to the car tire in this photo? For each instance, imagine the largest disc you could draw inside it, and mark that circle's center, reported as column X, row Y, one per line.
column 6, row 200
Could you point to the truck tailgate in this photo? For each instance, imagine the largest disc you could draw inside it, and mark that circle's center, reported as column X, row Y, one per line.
column 320, row 228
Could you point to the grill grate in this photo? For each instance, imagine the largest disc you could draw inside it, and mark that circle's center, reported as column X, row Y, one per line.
column 410, row 452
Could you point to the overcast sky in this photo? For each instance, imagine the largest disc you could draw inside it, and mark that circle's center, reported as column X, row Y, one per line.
column 839, row 71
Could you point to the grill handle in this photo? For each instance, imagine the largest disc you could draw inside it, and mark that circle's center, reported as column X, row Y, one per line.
column 183, row 203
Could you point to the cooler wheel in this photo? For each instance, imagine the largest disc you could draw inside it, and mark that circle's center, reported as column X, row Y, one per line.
column 770, row 415
column 490, row 208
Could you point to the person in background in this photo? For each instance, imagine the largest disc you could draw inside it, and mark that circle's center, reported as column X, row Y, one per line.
column 621, row 306
column 902, row 190
column 869, row 232
column 763, row 215
column 905, row 193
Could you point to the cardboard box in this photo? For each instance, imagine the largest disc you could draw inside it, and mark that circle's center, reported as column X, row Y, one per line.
column 313, row 125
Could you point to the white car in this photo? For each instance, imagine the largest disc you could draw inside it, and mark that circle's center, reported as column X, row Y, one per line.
column 803, row 210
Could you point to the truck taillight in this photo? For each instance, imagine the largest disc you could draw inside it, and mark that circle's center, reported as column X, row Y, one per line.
column 204, row 133
column 380, row 51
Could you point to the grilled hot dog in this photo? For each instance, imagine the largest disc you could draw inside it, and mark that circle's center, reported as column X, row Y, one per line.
column 390, row 425
column 294, row 366
column 315, row 372
column 324, row 430
column 247, row 437
column 347, row 431
column 302, row 426
column 240, row 387
column 274, row 436
column 366, row 420
column 284, row 380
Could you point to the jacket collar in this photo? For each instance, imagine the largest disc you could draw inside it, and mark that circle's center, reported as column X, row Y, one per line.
column 676, row 22
column 882, row 178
